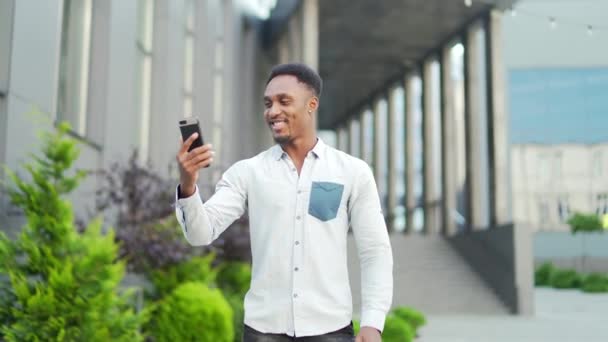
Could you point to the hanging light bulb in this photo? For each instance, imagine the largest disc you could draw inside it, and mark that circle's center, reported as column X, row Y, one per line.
column 552, row 22
column 590, row 30
column 468, row 3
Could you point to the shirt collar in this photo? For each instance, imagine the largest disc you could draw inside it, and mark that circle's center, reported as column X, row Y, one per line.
column 318, row 150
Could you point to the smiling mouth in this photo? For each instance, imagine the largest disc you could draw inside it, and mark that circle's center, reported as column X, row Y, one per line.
column 278, row 123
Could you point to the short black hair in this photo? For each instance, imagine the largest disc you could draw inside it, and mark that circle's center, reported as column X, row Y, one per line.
column 302, row 72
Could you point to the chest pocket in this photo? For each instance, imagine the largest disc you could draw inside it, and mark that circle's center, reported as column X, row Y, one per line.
column 325, row 198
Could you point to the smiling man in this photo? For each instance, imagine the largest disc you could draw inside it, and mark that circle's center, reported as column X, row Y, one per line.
column 302, row 196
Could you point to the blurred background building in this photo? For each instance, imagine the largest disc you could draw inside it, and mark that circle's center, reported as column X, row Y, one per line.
column 559, row 111
column 482, row 125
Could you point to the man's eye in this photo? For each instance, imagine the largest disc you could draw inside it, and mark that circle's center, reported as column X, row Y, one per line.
column 285, row 102
column 267, row 104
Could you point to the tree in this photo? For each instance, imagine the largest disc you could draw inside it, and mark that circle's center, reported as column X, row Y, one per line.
column 56, row 283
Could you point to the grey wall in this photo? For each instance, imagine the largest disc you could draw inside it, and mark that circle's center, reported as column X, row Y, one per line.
column 503, row 257
column 583, row 252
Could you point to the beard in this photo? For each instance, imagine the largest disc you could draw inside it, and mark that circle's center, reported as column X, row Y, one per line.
column 283, row 139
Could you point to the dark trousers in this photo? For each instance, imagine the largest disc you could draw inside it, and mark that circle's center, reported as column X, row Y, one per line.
column 345, row 334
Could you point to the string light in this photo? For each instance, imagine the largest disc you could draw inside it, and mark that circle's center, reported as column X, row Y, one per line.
column 590, row 27
column 552, row 22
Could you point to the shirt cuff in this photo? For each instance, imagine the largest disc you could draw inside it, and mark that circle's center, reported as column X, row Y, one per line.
column 186, row 201
column 373, row 318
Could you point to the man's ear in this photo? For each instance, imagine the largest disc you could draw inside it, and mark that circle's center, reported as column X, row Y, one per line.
column 313, row 104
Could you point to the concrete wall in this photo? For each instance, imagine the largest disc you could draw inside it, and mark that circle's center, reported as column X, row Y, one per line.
column 585, row 253
column 503, row 257
column 551, row 182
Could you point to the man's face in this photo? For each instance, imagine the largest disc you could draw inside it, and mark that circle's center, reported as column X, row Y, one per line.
column 289, row 105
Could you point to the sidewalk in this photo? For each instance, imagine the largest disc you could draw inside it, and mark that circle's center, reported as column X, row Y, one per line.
column 561, row 315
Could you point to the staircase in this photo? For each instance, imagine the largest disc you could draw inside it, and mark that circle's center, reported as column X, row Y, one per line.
column 432, row 277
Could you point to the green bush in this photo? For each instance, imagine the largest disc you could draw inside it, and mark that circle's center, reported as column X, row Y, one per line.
column 234, row 277
column 401, row 324
column 192, row 312
column 397, row 330
column 543, row 274
column 595, row 283
column 57, row 284
column 585, row 223
column 238, row 314
column 413, row 317
column 356, row 326
column 197, row 269
column 565, row 279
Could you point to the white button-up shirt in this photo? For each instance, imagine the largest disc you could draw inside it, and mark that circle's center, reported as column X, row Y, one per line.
column 298, row 226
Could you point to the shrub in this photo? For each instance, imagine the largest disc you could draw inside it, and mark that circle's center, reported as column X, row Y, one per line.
column 543, row 274
column 234, row 277
column 238, row 314
column 197, row 269
column 356, row 326
column 192, row 312
column 565, row 279
column 141, row 201
column 57, row 284
column 585, row 223
column 413, row 317
column 595, row 283
column 397, row 330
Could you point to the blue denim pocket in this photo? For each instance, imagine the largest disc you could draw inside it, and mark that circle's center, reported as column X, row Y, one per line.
column 325, row 198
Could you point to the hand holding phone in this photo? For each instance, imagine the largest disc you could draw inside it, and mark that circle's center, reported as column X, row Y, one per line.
column 193, row 155
column 188, row 127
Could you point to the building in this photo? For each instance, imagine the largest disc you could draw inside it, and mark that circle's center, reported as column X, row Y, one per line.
column 559, row 111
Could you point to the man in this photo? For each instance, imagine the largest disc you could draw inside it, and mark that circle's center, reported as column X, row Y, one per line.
column 302, row 196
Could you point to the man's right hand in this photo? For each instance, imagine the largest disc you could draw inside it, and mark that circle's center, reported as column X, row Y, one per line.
column 190, row 163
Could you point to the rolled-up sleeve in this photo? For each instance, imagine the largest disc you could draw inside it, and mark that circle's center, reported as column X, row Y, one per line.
column 374, row 248
column 202, row 223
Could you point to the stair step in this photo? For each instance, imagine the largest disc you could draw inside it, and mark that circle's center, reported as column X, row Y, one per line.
column 432, row 277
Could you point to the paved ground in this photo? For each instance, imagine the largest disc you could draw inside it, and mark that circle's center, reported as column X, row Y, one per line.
column 561, row 315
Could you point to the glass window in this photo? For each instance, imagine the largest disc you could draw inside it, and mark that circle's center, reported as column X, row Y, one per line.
column 462, row 193
column 144, row 41
column 74, row 64
column 367, row 146
column 189, row 40
column 382, row 159
column 343, row 138
column 416, row 132
column 355, row 138
column 399, row 155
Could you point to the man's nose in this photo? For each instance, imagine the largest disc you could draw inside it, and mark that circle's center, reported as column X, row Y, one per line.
column 274, row 110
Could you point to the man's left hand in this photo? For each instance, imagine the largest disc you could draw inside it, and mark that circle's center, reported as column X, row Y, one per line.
column 369, row 334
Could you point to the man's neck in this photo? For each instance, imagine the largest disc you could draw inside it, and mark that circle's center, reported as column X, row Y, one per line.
column 297, row 150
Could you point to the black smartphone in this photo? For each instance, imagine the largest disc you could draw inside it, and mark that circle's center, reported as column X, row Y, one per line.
column 188, row 127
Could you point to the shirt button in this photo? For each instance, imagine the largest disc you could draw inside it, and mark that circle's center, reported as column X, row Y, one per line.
column 296, row 269
column 298, row 217
column 297, row 243
column 299, row 191
column 293, row 169
column 295, row 295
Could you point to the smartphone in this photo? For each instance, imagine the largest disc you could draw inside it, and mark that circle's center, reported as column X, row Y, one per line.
column 188, row 127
